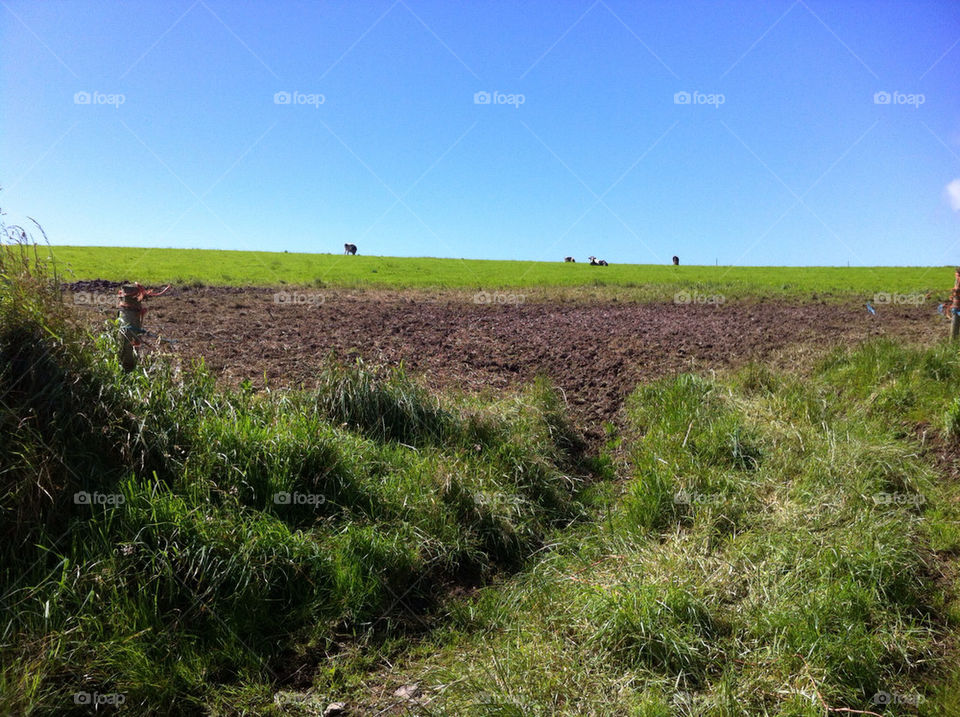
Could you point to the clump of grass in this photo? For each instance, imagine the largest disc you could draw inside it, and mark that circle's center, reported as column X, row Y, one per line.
column 907, row 387
column 670, row 630
column 951, row 419
column 387, row 408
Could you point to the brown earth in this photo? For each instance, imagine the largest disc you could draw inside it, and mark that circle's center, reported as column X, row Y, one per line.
column 594, row 351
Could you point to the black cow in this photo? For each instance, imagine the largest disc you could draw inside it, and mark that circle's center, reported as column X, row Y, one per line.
column 676, row 261
column 350, row 249
column 570, row 260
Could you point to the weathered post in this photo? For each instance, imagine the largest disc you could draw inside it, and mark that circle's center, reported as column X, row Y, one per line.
column 955, row 308
column 131, row 313
column 130, row 299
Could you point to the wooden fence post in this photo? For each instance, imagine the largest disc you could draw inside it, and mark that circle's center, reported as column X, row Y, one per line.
column 131, row 311
column 955, row 308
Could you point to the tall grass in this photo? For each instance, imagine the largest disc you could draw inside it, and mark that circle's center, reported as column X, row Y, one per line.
column 776, row 551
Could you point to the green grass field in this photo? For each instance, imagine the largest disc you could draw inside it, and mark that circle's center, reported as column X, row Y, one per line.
column 214, row 267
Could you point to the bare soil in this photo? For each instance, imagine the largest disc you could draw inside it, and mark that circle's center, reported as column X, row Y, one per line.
column 594, row 351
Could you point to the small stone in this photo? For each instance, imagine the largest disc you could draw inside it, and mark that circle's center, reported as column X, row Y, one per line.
column 407, row 692
column 335, row 709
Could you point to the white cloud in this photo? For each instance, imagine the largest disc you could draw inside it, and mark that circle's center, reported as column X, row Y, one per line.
column 953, row 194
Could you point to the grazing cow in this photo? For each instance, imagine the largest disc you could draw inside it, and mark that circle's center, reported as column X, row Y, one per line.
column 350, row 249
column 676, row 261
column 570, row 260
column 595, row 262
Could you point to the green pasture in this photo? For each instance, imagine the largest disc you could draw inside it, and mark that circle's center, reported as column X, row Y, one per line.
column 257, row 268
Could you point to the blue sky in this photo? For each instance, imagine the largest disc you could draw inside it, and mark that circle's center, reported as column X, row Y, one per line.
column 160, row 124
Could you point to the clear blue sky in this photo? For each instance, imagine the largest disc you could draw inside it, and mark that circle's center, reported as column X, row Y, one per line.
column 783, row 157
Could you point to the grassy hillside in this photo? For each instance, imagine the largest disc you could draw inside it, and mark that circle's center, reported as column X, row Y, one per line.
column 265, row 268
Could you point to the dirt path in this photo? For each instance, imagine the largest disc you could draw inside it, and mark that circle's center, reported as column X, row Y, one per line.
column 596, row 352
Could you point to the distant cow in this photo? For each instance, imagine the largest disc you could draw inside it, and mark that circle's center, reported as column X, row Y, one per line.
column 597, row 262
column 350, row 249
column 676, row 261
column 570, row 260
